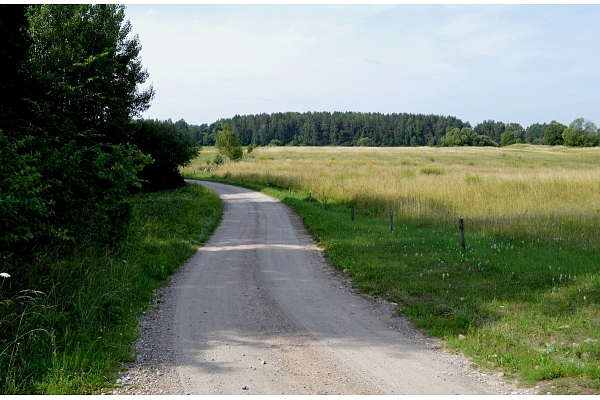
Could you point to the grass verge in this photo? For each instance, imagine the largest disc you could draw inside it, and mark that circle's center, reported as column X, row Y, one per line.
column 527, row 307
column 71, row 333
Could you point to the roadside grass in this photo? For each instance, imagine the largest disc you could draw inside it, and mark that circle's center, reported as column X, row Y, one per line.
column 72, row 333
column 522, row 301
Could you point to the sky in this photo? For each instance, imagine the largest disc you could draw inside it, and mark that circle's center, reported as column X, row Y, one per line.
column 508, row 62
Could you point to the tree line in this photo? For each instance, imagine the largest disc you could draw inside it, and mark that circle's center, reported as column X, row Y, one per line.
column 376, row 129
column 72, row 144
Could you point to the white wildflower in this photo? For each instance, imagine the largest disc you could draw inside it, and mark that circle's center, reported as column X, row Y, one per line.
column 4, row 275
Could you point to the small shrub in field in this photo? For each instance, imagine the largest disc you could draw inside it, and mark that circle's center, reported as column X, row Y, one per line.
column 218, row 160
column 431, row 171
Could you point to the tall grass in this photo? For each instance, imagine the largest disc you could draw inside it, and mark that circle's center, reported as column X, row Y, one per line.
column 545, row 192
column 70, row 334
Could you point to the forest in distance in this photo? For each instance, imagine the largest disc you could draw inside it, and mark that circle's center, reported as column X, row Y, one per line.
column 386, row 130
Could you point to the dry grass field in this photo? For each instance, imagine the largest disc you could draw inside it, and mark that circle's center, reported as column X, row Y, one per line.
column 551, row 193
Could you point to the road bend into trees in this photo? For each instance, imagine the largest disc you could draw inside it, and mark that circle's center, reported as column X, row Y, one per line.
column 258, row 311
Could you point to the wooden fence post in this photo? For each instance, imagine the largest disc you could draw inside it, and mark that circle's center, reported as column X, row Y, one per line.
column 352, row 213
column 391, row 220
column 461, row 225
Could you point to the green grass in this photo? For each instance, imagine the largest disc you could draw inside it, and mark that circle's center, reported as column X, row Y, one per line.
column 71, row 335
column 526, row 306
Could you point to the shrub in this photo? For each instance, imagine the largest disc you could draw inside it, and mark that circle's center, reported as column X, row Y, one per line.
column 218, row 160
column 365, row 142
column 170, row 146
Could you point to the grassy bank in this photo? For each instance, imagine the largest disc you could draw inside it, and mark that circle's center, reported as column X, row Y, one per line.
column 69, row 335
column 523, row 301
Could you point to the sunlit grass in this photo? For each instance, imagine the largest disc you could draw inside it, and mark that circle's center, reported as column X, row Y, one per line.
column 542, row 191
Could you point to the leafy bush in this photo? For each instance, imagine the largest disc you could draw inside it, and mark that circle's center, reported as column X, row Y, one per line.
column 508, row 138
column 466, row 137
column 581, row 133
column 553, row 134
column 365, row 142
column 218, row 160
column 170, row 146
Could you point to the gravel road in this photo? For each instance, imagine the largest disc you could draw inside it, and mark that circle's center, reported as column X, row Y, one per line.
column 257, row 310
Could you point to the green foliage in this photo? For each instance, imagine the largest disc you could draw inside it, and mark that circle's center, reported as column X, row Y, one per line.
column 581, row 133
column 71, row 335
column 274, row 143
column 553, row 134
column 171, row 146
column 466, row 137
column 337, row 128
column 534, row 134
column 365, row 142
column 24, row 208
column 491, row 128
column 229, row 144
column 509, row 137
column 218, row 160
column 73, row 73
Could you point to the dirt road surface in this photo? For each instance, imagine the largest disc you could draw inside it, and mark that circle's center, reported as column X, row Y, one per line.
column 258, row 311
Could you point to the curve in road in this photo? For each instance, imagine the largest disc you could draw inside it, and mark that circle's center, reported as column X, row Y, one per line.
column 257, row 310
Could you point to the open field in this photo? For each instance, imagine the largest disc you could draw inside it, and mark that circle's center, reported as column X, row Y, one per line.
column 550, row 193
column 522, row 298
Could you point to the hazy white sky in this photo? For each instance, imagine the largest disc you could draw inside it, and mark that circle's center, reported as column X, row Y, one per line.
column 510, row 63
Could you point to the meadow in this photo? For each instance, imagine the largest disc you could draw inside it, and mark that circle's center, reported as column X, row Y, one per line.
column 549, row 192
column 522, row 298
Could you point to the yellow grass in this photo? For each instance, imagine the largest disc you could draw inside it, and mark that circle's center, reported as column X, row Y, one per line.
column 521, row 189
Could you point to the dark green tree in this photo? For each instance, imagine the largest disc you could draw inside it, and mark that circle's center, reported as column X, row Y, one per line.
column 553, row 134
column 534, row 134
column 83, row 70
column 171, row 146
column 509, row 137
column 581, row 133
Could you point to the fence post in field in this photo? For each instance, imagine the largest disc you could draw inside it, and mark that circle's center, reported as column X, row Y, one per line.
column 309, row 197
column 391, row 220
column 461, row 225
column 352, row 213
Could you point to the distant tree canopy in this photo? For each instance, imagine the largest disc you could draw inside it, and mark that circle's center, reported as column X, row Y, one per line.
column 553, row 134
column 383, row 130
column 336, row 129
column 581, row 133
